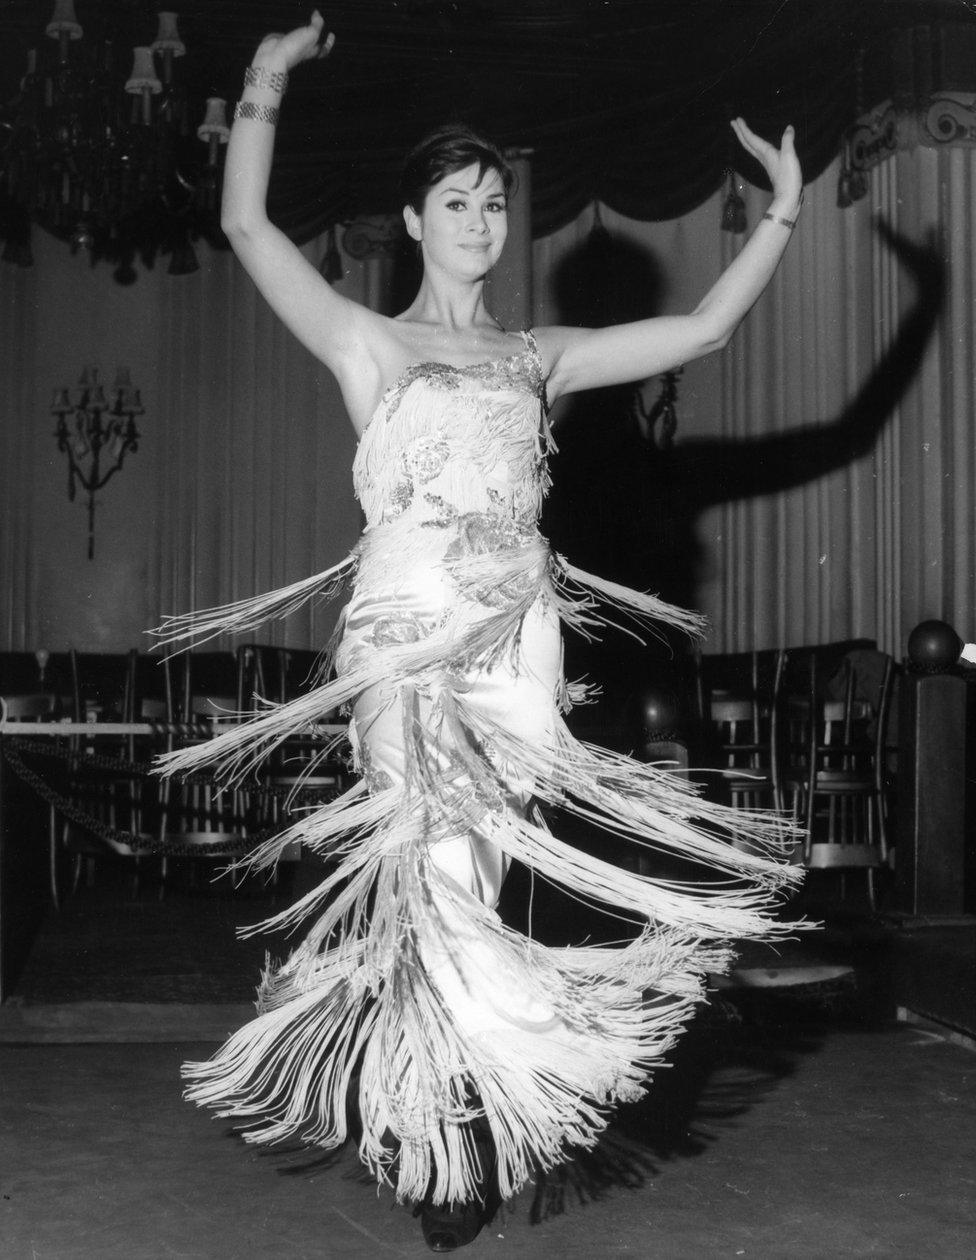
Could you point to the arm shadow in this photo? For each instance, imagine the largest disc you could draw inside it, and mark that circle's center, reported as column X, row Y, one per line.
column 629, row 510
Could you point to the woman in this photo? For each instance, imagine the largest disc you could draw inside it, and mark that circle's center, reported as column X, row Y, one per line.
column 471, row 1054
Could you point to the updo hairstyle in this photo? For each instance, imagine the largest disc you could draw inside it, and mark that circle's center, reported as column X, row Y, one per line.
column 443, row 152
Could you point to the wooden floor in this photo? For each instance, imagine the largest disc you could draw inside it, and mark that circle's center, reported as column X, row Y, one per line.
column 799, row 1119
column 767, row 1140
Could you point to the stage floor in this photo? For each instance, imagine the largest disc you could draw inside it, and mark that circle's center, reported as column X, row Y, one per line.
column 763, row 1141
column 799, row 1120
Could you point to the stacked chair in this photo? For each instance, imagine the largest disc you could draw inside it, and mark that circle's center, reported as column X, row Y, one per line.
column 739, row 697
column 808, row 730
column 836, row 773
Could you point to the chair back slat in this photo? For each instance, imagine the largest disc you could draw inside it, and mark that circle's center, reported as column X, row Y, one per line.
column 28, row 708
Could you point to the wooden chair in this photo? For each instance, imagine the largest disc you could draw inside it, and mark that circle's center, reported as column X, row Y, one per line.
column 27, row 708
column 38, row 707
column 257, row 675
column 113, row 798
column 837, row 773
column 741, row 707
column 40, row 673
column 299, row 669
column 196, row 817
column 301, row 772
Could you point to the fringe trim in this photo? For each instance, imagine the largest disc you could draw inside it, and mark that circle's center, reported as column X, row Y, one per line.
column 584, row 593
column 401, row 993
column 195, row 628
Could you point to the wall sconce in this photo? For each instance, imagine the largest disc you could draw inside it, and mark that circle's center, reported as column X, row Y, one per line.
column 659, row 422
column 96, row 435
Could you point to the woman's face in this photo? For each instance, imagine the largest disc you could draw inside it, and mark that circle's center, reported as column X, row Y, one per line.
column 463, row 224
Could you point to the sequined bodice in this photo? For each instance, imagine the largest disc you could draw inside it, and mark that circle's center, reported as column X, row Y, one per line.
column 446, row 442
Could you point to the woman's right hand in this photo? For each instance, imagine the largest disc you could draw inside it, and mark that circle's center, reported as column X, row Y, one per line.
column 781, row 165
column 305, row 43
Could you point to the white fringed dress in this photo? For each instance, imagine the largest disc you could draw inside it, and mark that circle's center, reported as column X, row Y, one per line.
column 407, row 988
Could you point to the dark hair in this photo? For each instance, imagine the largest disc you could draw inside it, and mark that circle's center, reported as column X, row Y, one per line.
column 445, row 151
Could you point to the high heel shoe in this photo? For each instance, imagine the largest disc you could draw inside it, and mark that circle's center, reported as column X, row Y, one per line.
column 451, row 1225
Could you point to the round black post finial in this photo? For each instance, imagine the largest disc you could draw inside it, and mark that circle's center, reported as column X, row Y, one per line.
column 660, row 717
column 933, row 647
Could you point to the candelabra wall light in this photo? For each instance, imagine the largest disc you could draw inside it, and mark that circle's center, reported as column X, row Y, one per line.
column 107, row 162
column 96, row 434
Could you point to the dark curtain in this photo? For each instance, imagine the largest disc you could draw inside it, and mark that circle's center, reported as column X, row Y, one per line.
column 622, row 101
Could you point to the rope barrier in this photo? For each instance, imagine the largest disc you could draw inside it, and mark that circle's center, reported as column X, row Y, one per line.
column 119, row 839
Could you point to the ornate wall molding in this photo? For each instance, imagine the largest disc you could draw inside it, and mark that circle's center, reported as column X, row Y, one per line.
column 873, row 137
column 943, row 119
column 373, row 236
column 949, row 119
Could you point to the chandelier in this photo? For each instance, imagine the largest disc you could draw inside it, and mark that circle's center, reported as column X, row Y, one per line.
column 108, row 161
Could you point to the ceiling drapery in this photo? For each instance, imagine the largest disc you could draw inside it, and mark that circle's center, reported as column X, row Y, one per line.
column 622, row 101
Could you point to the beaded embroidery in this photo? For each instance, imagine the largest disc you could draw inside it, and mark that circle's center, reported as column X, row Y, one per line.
column 495, row 448
column 401, row 627
column 517, row 371
column 377, row 779
column 424, row 458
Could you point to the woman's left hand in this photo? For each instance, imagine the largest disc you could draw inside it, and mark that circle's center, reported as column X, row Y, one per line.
column 781, row 165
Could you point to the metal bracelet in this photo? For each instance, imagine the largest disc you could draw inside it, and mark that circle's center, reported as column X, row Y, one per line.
column 261, row 77
column 775, row 218
column 258, row 113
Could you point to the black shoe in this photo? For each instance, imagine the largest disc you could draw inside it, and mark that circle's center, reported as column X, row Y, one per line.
column 452, row 1225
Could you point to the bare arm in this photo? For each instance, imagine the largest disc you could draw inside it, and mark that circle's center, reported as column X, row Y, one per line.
column 329, row 325
column 582, row 358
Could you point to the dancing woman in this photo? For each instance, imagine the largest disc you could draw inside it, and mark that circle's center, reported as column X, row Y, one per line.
column 470, row 1054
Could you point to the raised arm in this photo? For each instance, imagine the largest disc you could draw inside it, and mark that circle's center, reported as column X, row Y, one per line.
column 332, row 327
column 580, row 358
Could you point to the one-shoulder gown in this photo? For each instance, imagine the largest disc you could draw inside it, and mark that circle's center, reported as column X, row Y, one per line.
column 408, row 997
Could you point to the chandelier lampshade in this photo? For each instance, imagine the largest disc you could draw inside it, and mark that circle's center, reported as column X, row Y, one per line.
column 168, row 36
column 143, row 77
column 63, row 23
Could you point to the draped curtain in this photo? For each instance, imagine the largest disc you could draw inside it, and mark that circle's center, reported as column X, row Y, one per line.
column 17, row 340
column 242, row 481
column 254, row 491
column 834, row 513
column 885, row 540
column 623, row 100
